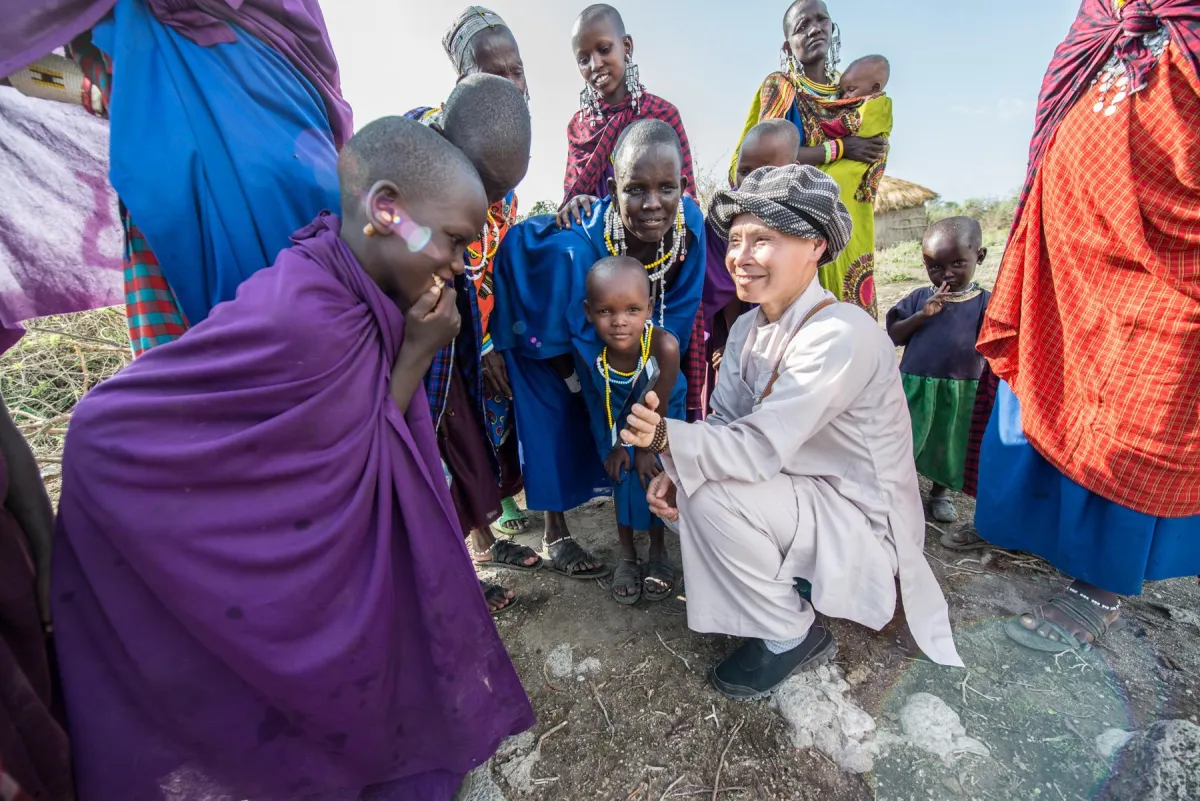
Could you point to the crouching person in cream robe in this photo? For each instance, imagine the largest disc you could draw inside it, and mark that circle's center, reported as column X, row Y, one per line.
column 804, row 469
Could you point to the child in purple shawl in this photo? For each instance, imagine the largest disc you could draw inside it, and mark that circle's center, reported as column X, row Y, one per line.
column 260, row 586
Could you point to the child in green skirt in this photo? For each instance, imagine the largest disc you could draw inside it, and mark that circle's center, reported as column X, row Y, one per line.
column 938, row 326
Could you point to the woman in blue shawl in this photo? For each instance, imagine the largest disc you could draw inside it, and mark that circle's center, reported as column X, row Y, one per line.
column 539, row 322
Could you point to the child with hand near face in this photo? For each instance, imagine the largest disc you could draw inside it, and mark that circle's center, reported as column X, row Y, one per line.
column 938, row 326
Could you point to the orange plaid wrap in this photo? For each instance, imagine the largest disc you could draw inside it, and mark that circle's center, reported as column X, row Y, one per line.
column 1095, row 319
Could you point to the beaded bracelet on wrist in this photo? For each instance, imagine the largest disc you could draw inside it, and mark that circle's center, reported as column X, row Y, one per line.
column 659, row 444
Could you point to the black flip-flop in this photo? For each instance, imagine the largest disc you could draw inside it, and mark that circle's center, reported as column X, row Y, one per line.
column 566, row 555
column 491, row 591
column 627, row 574
column 508, row 555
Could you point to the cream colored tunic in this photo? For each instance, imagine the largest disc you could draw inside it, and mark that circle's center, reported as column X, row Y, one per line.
column 817, row 482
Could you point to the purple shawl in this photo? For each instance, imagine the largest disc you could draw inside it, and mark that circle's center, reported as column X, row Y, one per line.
column 261, row 589
column 294, row 28
column 719, row 288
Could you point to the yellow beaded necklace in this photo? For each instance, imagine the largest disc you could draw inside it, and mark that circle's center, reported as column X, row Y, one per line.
column 806, row 85
column 609, row 371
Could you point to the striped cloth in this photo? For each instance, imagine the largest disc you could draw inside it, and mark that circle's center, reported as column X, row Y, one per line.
column 590, row 149
column 1102, row 28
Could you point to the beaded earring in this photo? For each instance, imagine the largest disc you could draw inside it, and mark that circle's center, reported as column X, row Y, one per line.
column 788, row 64
column 589, row 106
column 835, row 55
column 633, row 83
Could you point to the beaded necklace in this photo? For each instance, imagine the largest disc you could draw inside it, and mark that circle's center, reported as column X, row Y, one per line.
column 805, row 85
column 622, row 379
column 489, row 238
column 614, row 241
column 969, row 292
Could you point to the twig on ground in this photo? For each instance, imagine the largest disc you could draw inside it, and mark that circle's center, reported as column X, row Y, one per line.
column 547, row 735
column 686, row 664
column 957, row 567
column 720, row 765
column 83, row 369
column 49, row 460
column 641, row 788
column 671, row 787
column 713, row 717
column 607, row 719
column 108, row 343
column 715, row 793
column 965, row 685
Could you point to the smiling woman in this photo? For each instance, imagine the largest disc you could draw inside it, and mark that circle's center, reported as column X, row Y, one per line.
column 803, row 471
column 546, row 341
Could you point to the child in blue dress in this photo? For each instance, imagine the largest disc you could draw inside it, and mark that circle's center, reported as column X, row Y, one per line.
column 619, row 307
column 938, row 326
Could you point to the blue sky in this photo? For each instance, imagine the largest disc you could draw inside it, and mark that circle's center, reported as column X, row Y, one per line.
column 965, row 75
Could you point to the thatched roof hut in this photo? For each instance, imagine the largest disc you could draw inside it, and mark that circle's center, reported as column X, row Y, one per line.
column 900, row 212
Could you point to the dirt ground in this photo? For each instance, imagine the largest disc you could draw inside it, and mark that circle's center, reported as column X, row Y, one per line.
column 625, row 709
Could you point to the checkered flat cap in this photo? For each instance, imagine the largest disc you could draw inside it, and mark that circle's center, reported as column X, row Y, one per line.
column 797, row 200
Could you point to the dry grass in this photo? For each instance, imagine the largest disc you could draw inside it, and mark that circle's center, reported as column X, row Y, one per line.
column 44, row 375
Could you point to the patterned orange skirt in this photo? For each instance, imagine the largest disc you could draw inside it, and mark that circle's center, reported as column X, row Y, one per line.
column 1095, row 319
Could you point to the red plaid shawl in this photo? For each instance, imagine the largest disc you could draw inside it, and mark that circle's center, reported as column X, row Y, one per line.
column 1095, row 318
column 1098, row 31
column 589, row 149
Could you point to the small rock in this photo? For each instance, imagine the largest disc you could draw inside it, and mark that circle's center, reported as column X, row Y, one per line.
column 1112, row 741
column 591, row 665
column 859, row 675
column 820, row 716
column 931, row 725
column 478, row 786
column 559, row 662
column 1160, row 764
column 516, row 745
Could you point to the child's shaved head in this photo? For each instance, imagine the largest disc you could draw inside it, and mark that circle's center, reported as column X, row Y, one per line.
column 771, row 143
column 410, row 155
column 487, row 118
column 609, row 268
column 866, row 76
column 963, row 230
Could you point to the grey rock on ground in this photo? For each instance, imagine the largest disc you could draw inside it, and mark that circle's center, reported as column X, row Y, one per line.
column 931, row 725
column 478, row 786
column 1159, row 764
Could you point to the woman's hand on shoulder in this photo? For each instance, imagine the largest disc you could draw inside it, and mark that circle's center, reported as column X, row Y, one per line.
column 577, row 208
column 867, row 151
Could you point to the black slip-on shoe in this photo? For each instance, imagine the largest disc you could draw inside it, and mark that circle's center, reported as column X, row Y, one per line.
column 752, row 671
